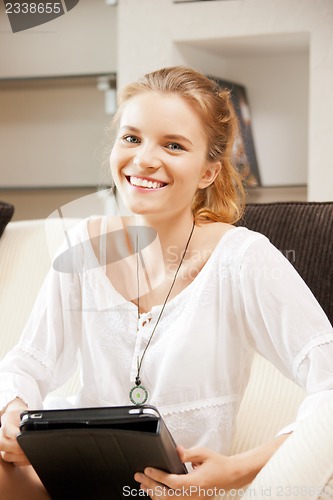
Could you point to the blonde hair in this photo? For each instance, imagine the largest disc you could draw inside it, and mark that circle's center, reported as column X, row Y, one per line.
column 223, row 200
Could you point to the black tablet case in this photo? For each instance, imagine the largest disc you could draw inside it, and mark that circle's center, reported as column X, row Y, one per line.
column 93, row 453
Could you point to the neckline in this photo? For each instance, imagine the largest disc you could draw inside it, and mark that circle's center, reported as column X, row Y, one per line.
column 179, row 295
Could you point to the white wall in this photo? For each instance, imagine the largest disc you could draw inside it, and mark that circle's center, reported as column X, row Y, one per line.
column 52, row 133
column 82, row 41
column 169, row 24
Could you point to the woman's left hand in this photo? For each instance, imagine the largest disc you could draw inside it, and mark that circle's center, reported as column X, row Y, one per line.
column 213, row 474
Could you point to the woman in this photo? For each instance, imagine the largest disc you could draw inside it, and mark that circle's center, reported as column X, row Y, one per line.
column 177, row 323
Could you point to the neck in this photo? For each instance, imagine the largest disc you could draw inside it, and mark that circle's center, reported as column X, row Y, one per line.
column 173, row 234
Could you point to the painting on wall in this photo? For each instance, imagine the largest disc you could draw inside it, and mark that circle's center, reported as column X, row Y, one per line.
column 245, row 157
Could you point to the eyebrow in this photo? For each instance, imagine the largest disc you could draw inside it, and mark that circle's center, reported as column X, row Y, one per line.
column 174, row 137
column 128, row 127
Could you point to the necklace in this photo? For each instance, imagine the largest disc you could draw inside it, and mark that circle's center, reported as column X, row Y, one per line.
column 139, row 394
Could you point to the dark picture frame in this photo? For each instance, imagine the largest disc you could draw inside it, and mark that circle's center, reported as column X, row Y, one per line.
column 245, row 158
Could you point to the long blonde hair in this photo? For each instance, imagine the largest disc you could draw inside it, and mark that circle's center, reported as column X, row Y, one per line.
column 223, row 200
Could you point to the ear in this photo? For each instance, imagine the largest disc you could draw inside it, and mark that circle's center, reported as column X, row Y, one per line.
column 209, row 174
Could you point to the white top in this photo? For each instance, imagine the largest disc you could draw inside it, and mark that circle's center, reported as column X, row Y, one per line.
column 247, row 296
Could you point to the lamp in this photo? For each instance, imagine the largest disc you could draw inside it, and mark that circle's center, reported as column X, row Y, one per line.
column 105, row 85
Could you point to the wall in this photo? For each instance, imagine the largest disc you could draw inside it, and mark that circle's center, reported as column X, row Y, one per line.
column 169, row 24
column 82, row 41
column 52, row 132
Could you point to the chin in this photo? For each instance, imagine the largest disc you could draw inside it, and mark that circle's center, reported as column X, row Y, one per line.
column 142, row 211
column 137, row 208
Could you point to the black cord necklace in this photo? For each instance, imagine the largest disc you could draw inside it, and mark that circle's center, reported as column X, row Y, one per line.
column 139, row 394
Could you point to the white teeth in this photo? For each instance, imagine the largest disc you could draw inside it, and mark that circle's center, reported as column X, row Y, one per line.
column 136, row 181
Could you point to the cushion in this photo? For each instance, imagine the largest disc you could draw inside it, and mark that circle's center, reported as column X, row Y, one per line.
column 6, row 213
column 303, row 231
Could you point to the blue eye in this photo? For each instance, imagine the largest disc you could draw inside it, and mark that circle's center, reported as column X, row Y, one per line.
column 132, row 139
column 174, row 146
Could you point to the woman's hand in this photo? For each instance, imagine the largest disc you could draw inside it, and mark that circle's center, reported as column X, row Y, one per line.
column 10, row 422
column 213, row 474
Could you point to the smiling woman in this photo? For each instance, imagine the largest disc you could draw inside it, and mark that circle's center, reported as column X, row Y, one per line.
column 154, row 174
column 174, row 321
column 198, row 124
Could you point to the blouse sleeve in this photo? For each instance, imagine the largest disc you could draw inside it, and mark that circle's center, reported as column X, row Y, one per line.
column 45, row 356
column 286, row 324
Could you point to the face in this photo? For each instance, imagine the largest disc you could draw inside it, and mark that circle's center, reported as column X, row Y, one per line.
column 159, row 157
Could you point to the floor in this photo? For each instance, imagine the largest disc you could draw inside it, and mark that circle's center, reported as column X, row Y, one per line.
column 40, row 203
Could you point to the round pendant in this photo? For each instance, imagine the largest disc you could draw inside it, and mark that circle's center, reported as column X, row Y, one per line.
column 138, row 395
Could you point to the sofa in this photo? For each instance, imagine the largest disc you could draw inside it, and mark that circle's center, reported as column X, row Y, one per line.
column 271, row 400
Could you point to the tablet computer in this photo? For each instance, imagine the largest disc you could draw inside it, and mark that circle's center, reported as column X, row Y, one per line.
column 93, row 453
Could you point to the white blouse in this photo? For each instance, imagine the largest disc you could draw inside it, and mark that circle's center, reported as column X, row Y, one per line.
column 246, row 297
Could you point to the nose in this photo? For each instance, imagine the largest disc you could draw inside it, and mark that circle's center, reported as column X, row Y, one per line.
column 146, row 158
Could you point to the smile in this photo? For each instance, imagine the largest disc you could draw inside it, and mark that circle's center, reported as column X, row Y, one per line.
column 145, row 183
